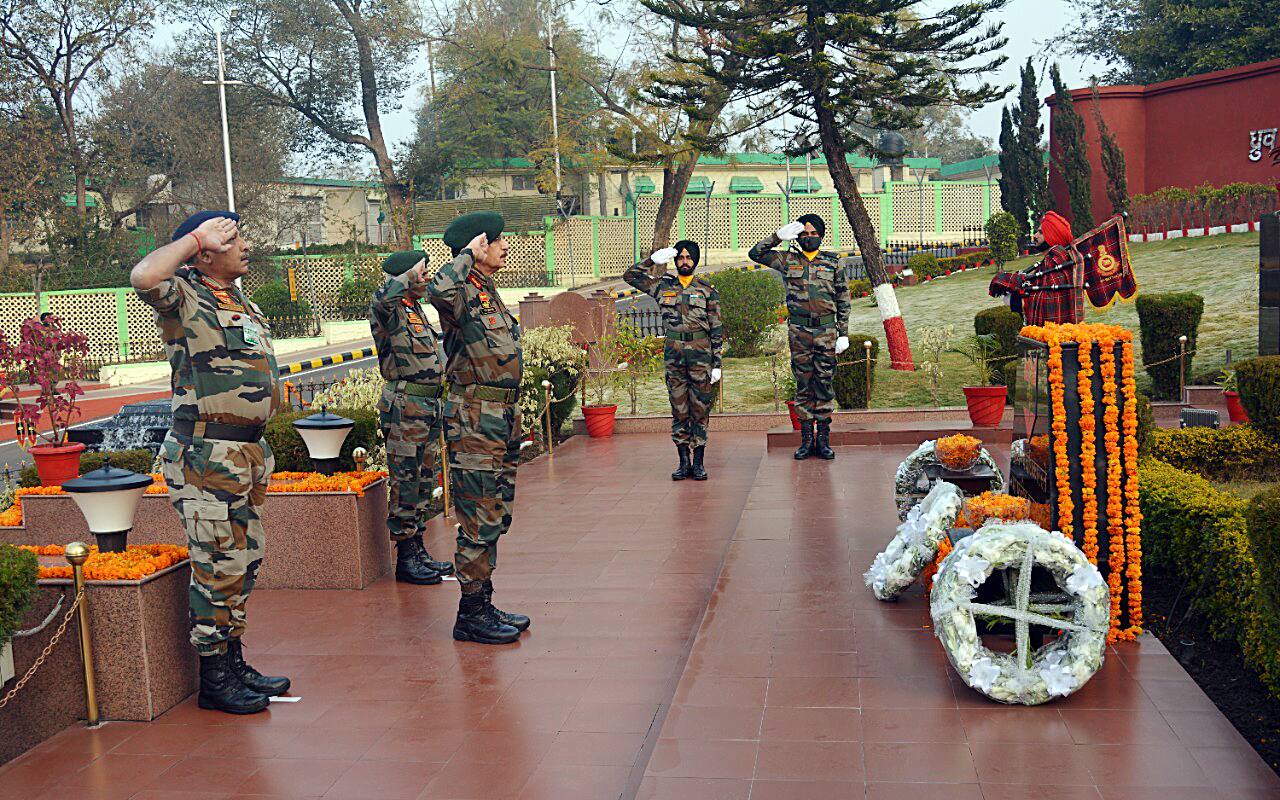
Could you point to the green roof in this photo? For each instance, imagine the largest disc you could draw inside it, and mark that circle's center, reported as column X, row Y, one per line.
column 90, row 201
column 776, row 159
column 699, row 185
column 745, row 184
column 972, row 165
column 333, row 182
column 805, row 185
column 644, row 184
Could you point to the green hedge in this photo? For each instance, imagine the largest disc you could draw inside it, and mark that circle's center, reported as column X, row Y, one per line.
column 850, row 382
column 927, row 266
column 1263, row 519
column 1163, row 318
column 1237, row 452
column 1004, row 324
column 748, row 303
column 1200, row 535
column 562, row 384
column 141, row 460
column 1146, row 423
column 291, row 453
column 1258, row 380
column 860, row 287
column 18, row 571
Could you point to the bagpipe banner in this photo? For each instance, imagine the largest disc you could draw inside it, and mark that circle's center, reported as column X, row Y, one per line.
column 1107, row 269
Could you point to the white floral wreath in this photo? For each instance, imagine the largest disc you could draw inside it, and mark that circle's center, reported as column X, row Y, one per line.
column 910, row 475
column 1081, row 612
column 916, row 543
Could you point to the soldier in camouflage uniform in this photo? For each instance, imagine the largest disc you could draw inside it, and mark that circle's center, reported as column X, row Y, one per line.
column 214, row 459
column 691, row 354
column 412, row 364
column 481, row 416
column 817, row 325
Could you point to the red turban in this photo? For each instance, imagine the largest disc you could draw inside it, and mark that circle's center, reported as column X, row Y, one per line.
column 1055, row 229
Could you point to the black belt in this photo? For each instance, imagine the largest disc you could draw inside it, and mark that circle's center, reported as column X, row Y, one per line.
column 216, row 430
column 688, row 337
column 806, row 321
column 481, row 391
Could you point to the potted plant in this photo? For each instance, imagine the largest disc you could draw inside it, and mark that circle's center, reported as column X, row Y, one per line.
column 1235, row 409
column 984, row 401
column 51, row 359
column 604, row 372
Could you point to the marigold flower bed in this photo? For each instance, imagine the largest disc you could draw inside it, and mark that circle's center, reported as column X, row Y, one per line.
column 135, row 563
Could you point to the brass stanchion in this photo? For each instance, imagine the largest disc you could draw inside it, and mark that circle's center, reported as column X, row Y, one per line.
column 546, row 412
column 444, row 470
column 1182, row 368
column 866, row 348
column 77, row 553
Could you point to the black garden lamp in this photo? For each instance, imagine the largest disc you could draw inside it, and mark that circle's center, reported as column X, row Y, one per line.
column 323, row 434
column 108, row 498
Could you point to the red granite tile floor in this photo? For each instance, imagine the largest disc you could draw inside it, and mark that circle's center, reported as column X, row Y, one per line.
column 694, row 640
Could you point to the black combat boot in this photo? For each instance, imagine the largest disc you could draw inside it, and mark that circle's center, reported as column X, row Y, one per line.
column 477, row 623
column 682, row 471
column 442, row 567
column 222, row 690
column 696, row 471
column 267, row 685
column 411, row 567
column 806, row 440
column 518, row 621
column 822, row 446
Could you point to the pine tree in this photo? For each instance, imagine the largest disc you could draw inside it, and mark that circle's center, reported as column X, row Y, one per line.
column 1032, row 175
column 1073, row 158
column 1112, row 161
column 851, row 68
column 1012, row 197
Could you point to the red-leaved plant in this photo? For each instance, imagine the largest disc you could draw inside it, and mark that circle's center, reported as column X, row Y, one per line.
column 52, row 359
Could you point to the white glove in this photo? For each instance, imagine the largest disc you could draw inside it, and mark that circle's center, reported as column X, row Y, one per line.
column 664, row 256
column 842, row 344
column 790, row 231
column 715, row 374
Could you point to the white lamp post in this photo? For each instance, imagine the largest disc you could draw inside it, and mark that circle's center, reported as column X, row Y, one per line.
column 323, row 434
column 108, row 498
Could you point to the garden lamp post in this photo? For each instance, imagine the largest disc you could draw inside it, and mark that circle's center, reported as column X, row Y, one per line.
column 108, row 498
column 323, row 434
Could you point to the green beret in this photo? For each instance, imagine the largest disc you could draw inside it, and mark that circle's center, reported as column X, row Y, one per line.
column 468, row 226
column 400, row 263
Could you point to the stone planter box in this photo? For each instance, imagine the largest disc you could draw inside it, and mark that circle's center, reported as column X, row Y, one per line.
column 315, row 540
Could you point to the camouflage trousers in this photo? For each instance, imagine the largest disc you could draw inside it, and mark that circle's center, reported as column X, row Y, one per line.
column 483, row 438
column 813, row 363
column 218, row 488
column 411, row 428
column 690, row 390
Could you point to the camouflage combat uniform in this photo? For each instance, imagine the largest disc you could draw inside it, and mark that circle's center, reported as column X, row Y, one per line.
column 215, row 461
column 818, row 309
column 412, row 364
column 481, row 412
column 694, row 340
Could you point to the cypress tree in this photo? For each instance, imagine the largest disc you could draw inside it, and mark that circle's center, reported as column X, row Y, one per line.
column 1073, row 157
column 1012, row 198
column 1032, row 175
column 1112, row 161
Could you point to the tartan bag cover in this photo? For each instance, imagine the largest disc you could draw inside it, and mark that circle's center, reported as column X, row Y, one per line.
column 1107, row 269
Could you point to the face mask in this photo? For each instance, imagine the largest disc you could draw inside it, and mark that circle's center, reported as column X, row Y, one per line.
column 809, row 244
column 1041, row 247
column 685, row 269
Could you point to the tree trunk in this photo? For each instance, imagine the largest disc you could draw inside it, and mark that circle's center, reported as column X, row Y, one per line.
column 864, row 234
column 602, row 192
column 674, row 182
column 377, row 143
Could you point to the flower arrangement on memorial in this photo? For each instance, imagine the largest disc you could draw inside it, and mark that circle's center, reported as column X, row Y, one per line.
column 958, row 452
column 988, row 506
column 1122, row 516
column 916, row 542
column 910, row 480
column 135, row 563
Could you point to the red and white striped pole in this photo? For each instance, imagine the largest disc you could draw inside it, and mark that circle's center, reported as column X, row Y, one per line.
column 895, row 330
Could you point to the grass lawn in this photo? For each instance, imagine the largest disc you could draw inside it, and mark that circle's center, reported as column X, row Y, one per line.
column 1245, row 490
column 1223, row 269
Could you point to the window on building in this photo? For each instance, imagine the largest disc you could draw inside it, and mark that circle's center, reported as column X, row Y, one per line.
column 524, row 183
column 378, row 228
column 302, row 214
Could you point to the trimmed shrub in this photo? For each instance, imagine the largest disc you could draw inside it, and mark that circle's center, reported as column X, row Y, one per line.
column 141, row 460
column 288, row 317
column 1263, row 519
column 1004, row 324
column 1146, row 423
column 1258, row 380
column 1002, row 233
column 355, row 295
column 1237, row 452
column 18, row 571
column 1200, row 535
column 1009, row 374
column 859, row 287
column 924, row 265
column 748, row 300
column 1163, row 318
column 850, row 382
column 291, row 453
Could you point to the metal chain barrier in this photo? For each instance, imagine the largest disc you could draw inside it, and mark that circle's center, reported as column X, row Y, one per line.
column 44, row 654
column 53, row 612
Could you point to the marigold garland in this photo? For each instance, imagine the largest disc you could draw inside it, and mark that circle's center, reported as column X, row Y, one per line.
column 135, row 563
column 1115, row 501
column 931, row 570
column 1132, row 507
column 1088, row 452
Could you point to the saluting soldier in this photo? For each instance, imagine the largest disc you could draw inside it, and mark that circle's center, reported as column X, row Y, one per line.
column 817, row 324
column 412, row 364
column 225, row 389
column 481, row 415
column 690, row 309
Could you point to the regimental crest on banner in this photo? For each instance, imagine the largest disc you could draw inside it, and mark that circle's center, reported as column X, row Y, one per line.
column 1108, row 273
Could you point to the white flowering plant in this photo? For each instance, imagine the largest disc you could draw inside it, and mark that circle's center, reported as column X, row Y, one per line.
column 909, row 481
column 550, row 354
column 915, row 544
column 1080, row 611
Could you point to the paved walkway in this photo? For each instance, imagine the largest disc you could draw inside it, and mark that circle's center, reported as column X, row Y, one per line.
column 708, row 641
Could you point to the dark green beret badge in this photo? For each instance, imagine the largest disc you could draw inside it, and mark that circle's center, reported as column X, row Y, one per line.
column 468, row 226
column 400, row 263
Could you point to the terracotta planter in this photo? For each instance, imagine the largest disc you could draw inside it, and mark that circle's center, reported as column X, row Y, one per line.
column 1235, row 409
column 57, row 463
column 599, row 420
column 795, row 418
column 985, row 404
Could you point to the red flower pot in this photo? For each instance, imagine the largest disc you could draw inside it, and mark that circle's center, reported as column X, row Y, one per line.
column 599, row 420
column 795, row 418
column 57, row 463
column 985, row 404
column 1235, row 409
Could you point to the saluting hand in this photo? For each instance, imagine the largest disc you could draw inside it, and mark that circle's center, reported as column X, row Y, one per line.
column 664, row 256
column 418, row 273
column 790, row 231
column 479, row 247
column 217, row 234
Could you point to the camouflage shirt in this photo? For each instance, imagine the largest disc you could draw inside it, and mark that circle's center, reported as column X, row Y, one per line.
column 815, row 289
column 408, row 349
column 695, row 309
column 481, row 337
column 219, row 347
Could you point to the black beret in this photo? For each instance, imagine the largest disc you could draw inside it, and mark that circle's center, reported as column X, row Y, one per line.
column 199, row 218
column 815, row 221
column 468, row 226
column 402, row 262
column 692, row 247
